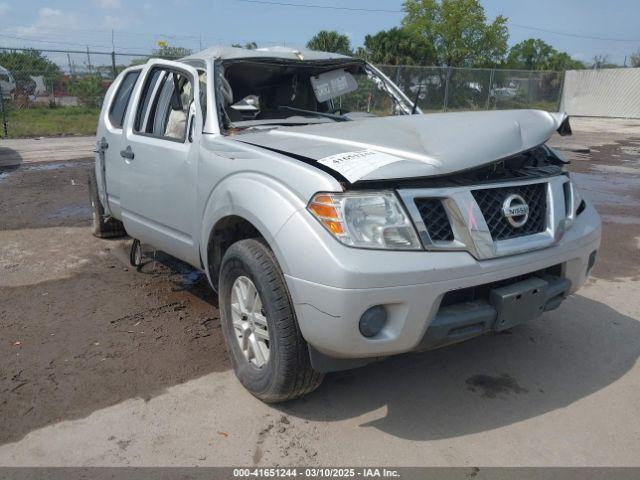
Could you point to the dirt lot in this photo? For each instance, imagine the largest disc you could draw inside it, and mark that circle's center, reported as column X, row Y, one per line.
column 103, row 365
column 80, row 329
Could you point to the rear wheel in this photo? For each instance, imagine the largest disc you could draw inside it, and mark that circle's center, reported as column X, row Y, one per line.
column 269, row 355
column 102, row 228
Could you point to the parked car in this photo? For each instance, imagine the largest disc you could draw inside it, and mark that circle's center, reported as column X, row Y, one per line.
column 504, row 93
column 337, row 223
column 7, row 84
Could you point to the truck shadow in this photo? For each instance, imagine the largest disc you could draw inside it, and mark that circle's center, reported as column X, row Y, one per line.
column 488, row 382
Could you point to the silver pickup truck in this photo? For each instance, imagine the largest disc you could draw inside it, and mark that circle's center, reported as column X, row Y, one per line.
column 338, row 224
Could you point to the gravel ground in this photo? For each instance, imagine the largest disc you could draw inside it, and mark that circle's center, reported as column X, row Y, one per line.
column 103, row 365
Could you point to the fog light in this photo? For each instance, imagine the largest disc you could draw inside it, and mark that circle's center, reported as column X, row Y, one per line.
column 592, row 261
column 372, row 321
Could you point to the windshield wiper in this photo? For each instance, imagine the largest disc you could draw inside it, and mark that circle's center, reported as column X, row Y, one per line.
column 337, row 118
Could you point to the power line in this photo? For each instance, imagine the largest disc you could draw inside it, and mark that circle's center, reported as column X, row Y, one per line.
column 326, row 7
column 374, row 10
column 286, row 4
column 93, row 31
column 73, row 44
column 128, row 50
column 575, row 35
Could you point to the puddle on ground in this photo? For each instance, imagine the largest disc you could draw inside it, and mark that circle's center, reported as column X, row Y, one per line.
column 491, row 387
column 621, row 219
column 604, row 189
column 71, row 211
column 40, row 167
column 6, row 172
column 630, row 150
column 619, row 169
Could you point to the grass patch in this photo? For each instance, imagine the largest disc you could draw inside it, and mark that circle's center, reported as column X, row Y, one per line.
column 42, row 121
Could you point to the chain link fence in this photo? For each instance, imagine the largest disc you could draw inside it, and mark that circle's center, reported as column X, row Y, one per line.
column 52, row 92
column 441, row 89
column 56, row 92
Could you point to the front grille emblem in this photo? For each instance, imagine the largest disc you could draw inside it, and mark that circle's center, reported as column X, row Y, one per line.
column 515, row 210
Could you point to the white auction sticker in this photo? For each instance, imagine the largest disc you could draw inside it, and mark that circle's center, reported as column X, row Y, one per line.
column 355, row 165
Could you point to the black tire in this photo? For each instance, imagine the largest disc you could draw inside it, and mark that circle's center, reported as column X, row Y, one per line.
column 101, row 228
column 288, row 373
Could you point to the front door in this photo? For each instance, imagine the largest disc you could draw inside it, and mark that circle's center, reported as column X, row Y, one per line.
column 160, row 160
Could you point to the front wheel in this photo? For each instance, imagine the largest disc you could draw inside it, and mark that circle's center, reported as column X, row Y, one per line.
column 269, row 355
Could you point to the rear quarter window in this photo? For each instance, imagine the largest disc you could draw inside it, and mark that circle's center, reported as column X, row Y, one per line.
column 121, row 99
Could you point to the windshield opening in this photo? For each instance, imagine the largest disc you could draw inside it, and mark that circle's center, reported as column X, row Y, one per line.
column 258, row 93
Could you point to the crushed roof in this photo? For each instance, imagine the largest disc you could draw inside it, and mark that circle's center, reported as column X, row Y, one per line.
column 219, row 52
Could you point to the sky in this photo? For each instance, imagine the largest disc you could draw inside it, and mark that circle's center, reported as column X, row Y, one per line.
column 138, row 25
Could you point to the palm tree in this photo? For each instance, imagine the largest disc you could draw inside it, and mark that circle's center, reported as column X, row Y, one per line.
column 330, row 41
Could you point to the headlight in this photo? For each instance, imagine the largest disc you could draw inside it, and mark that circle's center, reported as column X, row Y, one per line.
column 365, row 220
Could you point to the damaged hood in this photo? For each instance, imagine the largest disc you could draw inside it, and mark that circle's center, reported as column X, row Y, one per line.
column 408, row 146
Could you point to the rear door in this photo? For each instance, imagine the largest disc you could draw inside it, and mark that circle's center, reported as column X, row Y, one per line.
column 160, row 156
column 110, row 140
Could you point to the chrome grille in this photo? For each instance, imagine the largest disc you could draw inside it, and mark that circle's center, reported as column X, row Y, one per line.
column 490, row 201
column 435, row 219
column 474, row 218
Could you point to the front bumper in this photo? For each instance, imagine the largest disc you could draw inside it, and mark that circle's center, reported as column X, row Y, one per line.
column 332, row 285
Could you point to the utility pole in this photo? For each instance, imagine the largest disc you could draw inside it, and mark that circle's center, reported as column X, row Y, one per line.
column 4, row 115
column 113, row 57
column 445, row 105
column 491, row 75
column 70, row 67
column 89, row 61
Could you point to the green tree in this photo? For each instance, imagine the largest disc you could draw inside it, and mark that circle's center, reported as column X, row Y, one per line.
column 27, row 63
column 563, row 61
column 330, row 41
column 88, row 89
column 397, row 47
column 536, row 54
column 635, row 59
column 458, row 31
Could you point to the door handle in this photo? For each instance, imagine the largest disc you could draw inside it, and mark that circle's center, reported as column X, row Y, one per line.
column 127, row 153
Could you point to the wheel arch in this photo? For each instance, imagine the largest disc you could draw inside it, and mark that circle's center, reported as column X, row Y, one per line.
column 244, row 206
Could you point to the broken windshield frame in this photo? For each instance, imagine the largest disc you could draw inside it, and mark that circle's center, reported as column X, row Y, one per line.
column 332, row 116
column 233, row 91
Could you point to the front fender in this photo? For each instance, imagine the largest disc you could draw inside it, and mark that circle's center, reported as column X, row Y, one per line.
column 259, row 199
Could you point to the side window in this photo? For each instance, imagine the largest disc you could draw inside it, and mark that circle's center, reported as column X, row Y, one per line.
column 121, row 99
column 164, row 109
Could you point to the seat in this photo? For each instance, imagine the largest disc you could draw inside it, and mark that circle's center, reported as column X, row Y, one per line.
column 177, row 122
